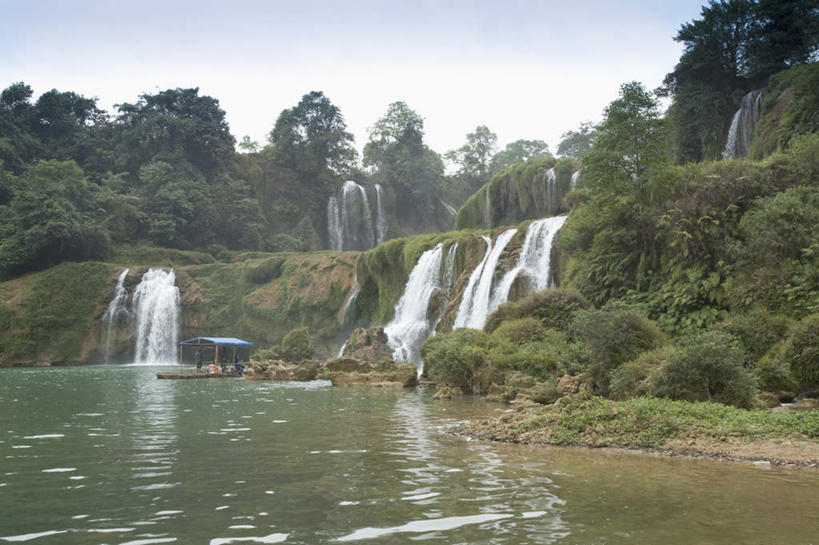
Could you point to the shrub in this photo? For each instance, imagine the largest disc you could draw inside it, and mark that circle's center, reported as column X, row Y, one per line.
column 614, row 335
column 554, row 308
column 756, row 330
column 774, row 375
column 801, row 350
column 707, row 367
column 457, row 359
column 633, row 378
column 520, row 331
column 297, row 345
column 535, row 359
column 267, row 270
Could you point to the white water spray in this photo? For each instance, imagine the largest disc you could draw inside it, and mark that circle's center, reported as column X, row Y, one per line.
column 381, row 218
column 156, row 305
column 474, row 307
column 117, row 312
column 335, row 230
column 410, row 326
column 741, row 132
column 534, row 260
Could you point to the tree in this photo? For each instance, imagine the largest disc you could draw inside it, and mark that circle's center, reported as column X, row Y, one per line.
column 628, row 142
column 473, row 158
column 398, row 120
column 248, row 146
column 311, row 138
column 575, row 143
column 176, row 124
column 519, row 151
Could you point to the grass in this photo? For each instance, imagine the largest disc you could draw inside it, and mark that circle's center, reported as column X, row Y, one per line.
column 650, row 423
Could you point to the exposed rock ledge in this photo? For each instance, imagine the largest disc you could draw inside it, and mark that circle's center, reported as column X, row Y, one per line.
column 341, row 372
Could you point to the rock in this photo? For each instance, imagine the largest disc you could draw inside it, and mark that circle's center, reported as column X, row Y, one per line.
column 568, row 385
column 279, row 370
column 351, row 372
column 448, row 392
column 368, row 345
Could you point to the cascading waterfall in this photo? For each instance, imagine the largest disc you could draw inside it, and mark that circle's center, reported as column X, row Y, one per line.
column 156, row 306
column 381, row 223
column 534, row 259
column 742, row 127
column 335, row 231
column 355, row 208
column 116, row 313
column 451, row 209
column 573, row 181
column 410, row 326
column 474, row 307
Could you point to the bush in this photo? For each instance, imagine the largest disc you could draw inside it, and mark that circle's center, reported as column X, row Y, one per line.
column 297, row 345
column 520, row 331
column 801, row 350
column 707, row 367
column 757, row 330
column 632, row 379
column 458, row 359
column 535, row 359
column 613, row 335
column 553, row 308
column 267, row 270
column 774, row 375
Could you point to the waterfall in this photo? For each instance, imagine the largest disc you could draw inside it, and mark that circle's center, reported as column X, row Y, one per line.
column 573, row 181
column 116, row 312
column 534, row 259
column 474, row 307
column 335, row 231
column 156, row 305
column 381, row 223
column 349, row 220
column 351, row 297
column 410, row 325
column 742, row 126
column 450, row 209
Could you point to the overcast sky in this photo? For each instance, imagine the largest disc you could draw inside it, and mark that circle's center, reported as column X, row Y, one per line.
column 526, row 69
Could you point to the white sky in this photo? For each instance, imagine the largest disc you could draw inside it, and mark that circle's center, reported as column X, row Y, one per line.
column 526, row 69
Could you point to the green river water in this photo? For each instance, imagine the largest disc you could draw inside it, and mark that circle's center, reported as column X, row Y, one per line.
column 111, row 455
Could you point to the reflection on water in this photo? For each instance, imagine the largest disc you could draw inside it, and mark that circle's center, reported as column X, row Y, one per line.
column 112, row 455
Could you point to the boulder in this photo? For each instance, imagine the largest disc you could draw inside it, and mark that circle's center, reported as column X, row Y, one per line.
column 278, row 370
column 351, row 372
column 368, row 345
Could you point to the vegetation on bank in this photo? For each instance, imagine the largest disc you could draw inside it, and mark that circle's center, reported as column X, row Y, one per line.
column 651, row 423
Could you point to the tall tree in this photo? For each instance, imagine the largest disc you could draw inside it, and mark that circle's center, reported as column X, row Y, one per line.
column 629, row 141
column 400, row 119
column 474, row 157
column 575, row 143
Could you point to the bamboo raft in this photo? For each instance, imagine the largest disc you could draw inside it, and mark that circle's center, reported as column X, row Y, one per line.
column 194, row 374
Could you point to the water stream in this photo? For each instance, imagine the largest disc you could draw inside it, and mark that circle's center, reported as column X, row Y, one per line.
column 156, row 305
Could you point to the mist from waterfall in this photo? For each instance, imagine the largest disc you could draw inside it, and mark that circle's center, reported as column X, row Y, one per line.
column 741, row 132
column 350, row 223
column 116, row 313
column 410, row 325
column 156, row 305
column 474, row 307
column 534, row 260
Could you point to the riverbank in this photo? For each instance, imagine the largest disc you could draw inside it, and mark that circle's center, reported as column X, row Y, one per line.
column 673, row 428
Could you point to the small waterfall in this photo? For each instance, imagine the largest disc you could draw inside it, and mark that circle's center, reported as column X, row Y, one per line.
column 474, row 307
column 156, row 306
column 573, row 181
column 551, row 191
column 116, row 313
column 488, row 212
column 411, row 326
column 742, row 126
column 381, row 223
column 534, row 259
column 335, row 232
column 348, row 303
column 451, row 209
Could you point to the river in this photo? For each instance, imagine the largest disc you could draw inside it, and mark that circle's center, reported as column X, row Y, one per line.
column 110, row 454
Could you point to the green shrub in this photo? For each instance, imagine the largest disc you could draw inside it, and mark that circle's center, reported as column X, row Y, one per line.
column 613, row 335
column 707, row 367
column 801, row 350
column 554, row 308
column 297, row 345
column 520, row 331
column 266, row 271
column 271, row 353
column 633, row 378
column 535, row 359
column 774, row 375
column 757, row 331
column 459, row 359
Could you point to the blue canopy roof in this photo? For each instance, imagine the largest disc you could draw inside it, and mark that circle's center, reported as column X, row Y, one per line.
column 222, row 341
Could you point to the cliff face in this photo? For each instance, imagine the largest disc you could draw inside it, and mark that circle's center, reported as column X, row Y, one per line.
column 55, row 316
column 523, row 192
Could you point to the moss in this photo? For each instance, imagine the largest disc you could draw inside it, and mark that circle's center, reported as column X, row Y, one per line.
column 159, row 257
column 519, row 193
